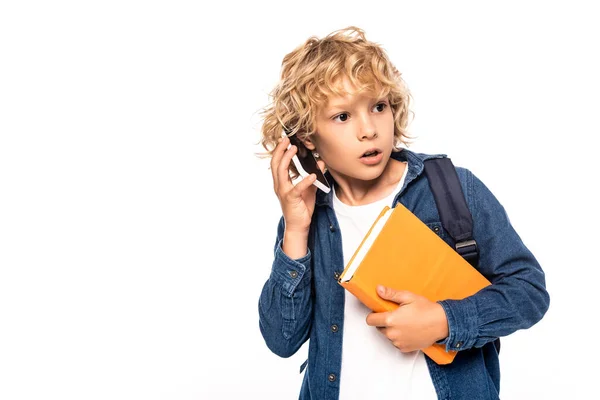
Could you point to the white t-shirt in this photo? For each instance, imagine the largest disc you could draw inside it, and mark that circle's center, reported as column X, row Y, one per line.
column 372, row 367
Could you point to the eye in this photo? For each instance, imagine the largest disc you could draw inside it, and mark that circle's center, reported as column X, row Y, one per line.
column 380, row 107
column 343, row 117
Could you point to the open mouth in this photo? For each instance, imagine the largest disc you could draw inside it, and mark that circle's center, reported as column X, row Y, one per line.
column 371, row 153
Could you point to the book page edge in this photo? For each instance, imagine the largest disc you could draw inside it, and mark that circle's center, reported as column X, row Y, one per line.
column 364, row 247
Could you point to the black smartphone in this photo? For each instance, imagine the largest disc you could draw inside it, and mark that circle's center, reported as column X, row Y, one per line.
column 306, row 163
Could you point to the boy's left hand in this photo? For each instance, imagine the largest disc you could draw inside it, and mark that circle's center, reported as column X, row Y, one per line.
column 416, row 324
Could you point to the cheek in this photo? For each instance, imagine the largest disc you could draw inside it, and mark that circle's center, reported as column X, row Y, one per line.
column 334, row 152
column 327, row 149
column 338, row 160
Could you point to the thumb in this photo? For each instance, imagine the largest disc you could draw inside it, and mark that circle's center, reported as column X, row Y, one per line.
column 397, row 296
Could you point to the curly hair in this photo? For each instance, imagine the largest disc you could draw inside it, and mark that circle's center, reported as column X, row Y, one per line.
column 314, row 71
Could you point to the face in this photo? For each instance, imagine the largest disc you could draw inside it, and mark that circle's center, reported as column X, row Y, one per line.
column 354, row 135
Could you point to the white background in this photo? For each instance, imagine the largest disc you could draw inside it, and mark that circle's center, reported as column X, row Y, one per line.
column 137, row 225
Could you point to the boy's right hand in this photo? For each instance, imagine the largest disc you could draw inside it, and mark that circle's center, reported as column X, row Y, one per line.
column 297, row 202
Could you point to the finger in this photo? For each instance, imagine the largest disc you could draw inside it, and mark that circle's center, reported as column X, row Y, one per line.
column 378, row 319
column 397, row 296
column 283, row 169
column 276, row 157
column 304, row 184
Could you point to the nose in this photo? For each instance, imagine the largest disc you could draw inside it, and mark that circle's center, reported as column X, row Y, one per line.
column 367, row 129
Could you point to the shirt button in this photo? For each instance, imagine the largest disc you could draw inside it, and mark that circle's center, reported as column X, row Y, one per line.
column 336, row 275
column 459, row 344
column 294, row 274
column 436, row 229
column 334, row 328
column 331, row 228
column 331, row 377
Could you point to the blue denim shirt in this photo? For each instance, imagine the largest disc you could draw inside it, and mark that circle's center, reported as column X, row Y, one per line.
column 302, row 299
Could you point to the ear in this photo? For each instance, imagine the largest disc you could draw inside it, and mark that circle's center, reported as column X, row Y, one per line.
column 309, row 143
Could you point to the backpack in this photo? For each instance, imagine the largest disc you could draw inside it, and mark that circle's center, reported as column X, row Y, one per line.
column 454, row 214
column 452, row 207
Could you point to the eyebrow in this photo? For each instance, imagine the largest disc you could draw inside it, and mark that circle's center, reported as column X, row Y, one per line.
column 349, row 104
column 339, row 105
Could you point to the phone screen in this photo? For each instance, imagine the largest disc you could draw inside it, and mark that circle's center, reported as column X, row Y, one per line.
column 307, row 160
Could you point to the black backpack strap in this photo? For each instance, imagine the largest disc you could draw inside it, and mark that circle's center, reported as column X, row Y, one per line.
column 452, row 207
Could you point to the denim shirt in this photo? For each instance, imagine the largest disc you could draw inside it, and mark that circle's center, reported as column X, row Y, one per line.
column 302, row 299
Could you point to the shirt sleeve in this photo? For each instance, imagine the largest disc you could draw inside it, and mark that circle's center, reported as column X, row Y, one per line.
column 517, row 298
column 285, row 304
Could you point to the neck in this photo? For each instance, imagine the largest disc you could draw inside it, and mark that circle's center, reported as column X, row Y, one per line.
column 356, row 192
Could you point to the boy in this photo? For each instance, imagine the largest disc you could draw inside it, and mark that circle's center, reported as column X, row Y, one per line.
column 345, row 100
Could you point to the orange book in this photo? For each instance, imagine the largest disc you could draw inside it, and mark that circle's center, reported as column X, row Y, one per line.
column 401, row 252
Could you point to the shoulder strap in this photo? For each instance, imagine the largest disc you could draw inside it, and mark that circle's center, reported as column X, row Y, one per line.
column 452, row 207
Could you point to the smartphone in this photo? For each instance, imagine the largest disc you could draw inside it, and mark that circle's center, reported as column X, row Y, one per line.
column 306, row 163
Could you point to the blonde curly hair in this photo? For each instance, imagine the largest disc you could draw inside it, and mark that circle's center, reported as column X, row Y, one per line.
column 315, row 70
